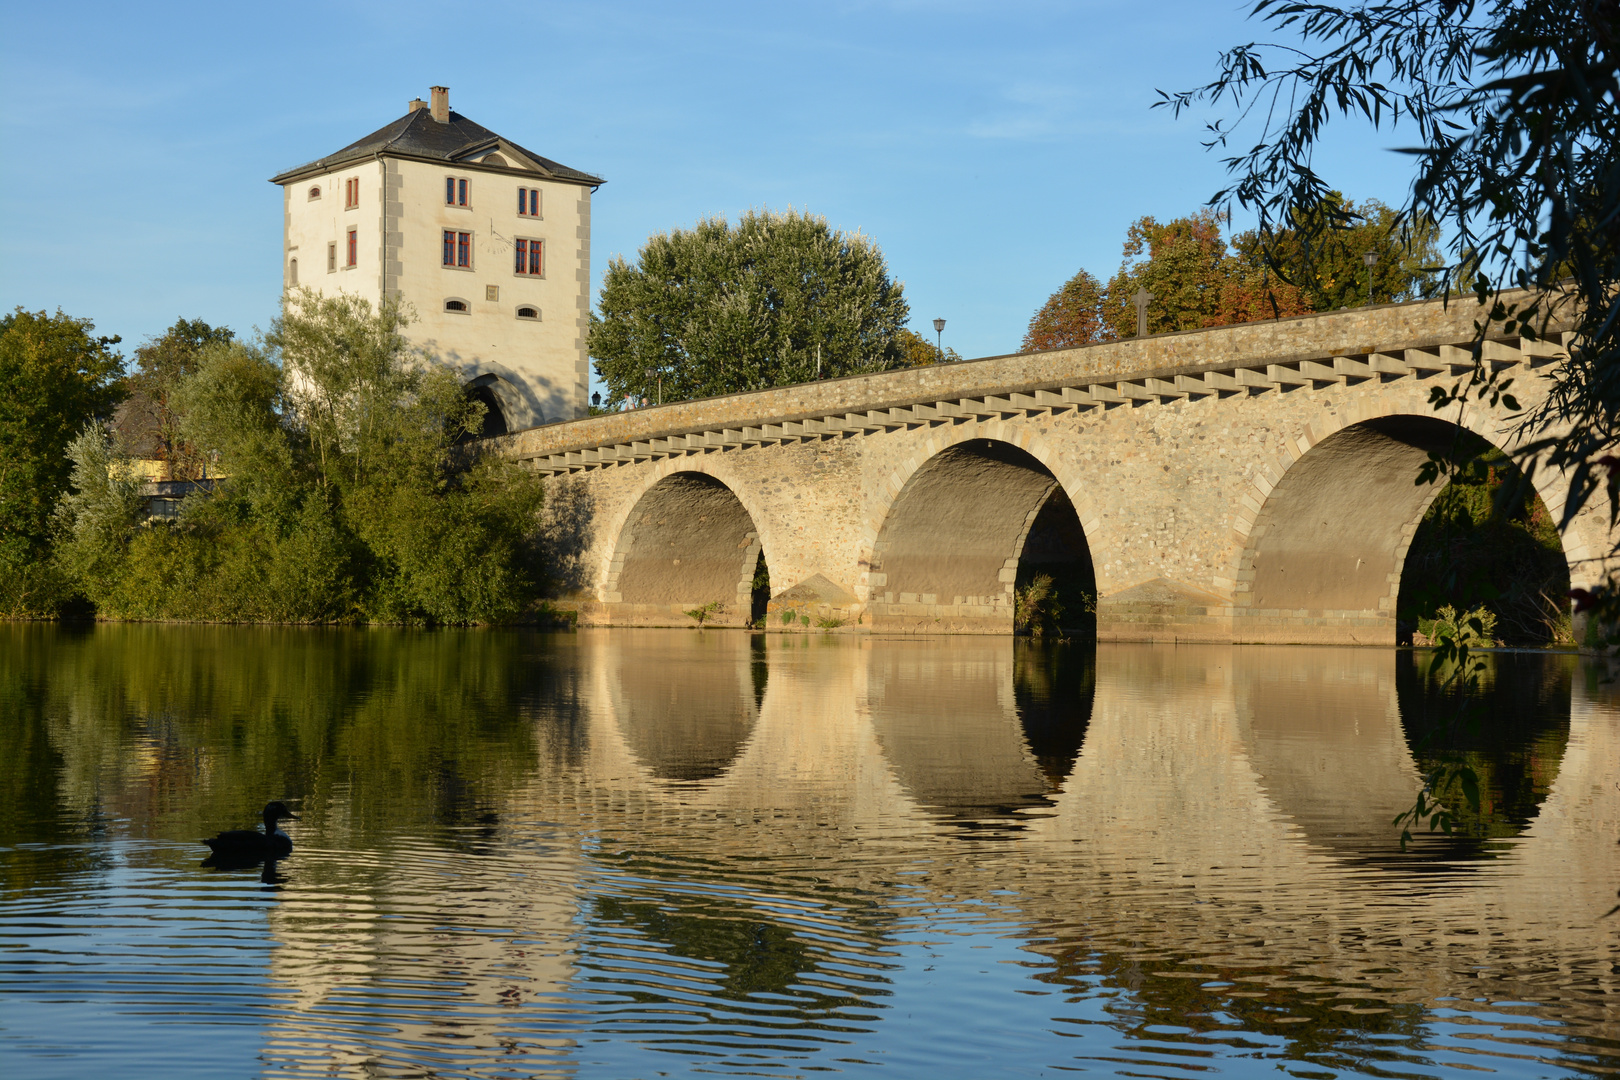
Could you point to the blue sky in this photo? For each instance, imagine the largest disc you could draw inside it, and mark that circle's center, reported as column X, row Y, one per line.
column 991, row 149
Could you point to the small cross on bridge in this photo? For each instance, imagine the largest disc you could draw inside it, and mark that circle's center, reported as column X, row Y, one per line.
column 1142, row 299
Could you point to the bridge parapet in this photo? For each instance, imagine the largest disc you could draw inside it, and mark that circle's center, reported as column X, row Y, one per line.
column 1387, row 341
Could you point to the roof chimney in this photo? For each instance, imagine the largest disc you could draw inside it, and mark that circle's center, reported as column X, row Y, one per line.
column 441, row 103
column 414, row 104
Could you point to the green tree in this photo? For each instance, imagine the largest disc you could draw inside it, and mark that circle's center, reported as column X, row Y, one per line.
column 56, row 376
column 1075, row 315
column 778, row 298
column 160, row 365
column 344, row 497
column 1328, row 264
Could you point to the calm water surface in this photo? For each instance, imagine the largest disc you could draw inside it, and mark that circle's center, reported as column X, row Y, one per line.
column 650, row 853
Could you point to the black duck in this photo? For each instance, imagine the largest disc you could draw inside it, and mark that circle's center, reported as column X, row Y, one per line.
column 239, row 844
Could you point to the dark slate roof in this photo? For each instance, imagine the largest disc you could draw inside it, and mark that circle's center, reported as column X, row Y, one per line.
column 418, row 135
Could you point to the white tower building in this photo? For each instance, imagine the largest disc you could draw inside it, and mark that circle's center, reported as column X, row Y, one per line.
column 488, row 242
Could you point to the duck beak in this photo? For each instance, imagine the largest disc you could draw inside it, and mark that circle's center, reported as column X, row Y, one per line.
column 291, row 815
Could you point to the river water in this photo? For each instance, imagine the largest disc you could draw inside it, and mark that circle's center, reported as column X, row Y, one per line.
column 669, row 853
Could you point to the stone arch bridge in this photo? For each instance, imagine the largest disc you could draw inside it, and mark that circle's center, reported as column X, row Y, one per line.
column 1250, row 483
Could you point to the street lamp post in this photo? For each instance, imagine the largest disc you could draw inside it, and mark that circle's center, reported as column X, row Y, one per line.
column 658, row 374
column 939, row 335
column 1371, row 259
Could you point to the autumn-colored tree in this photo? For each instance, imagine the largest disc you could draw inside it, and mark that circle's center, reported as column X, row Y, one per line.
column 1072, row 316
column 1195, row 280
column 918, row 351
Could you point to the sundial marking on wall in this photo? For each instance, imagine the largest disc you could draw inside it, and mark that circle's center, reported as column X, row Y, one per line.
column 498, row 242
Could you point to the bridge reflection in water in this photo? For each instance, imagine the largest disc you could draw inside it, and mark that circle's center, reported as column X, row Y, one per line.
column 761, row 853
column 778, row 824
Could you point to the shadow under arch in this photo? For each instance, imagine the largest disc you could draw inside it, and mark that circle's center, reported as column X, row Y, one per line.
column 951, row 547
column 688, row 544
column 1323, row 559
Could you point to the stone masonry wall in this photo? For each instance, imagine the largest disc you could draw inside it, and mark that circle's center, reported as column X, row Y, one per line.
column 1168, row 491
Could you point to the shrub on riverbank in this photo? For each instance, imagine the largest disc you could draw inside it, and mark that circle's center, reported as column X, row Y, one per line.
column 345, row 496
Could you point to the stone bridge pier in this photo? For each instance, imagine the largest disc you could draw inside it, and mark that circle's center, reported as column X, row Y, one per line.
column 1251, row 483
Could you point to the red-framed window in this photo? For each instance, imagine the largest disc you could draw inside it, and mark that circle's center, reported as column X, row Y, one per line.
column 351, row 193
column 456, row 191
column 529, row 202
column 354, row 248
column 458, row 249
column 531, row 257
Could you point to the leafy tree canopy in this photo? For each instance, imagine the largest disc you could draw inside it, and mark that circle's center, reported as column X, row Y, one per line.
column 56, row 376
column 344, row 495
column 1071, row 317
column 778, row 298
column 1195, row 281
column 917, row 351
column 1329, row 264
column 149, row 417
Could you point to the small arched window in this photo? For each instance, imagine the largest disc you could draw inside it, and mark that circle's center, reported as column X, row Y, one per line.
column 314, row 193
column 528, row 312
column 292, row 271
column 458, row 306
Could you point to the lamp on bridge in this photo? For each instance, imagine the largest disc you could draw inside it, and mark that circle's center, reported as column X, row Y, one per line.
column 1371, row 259
column 939, row 334
column 658, row 374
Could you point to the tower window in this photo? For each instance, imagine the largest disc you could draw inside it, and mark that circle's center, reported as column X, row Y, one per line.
column 458, row 249
column 354, row 248
column 331, row 257
column 530, row 257
column 314, row 193
column 527, row 312
column 456, row 191
column 529, row 202
column 292, row 272
column 458, row 306
column 351, row 193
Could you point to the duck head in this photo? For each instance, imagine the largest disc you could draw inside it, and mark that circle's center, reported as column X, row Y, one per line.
column 274, row 812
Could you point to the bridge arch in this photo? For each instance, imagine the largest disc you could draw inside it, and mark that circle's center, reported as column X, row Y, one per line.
column 685, row 540
column 1321, row 543
column 954, row 520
